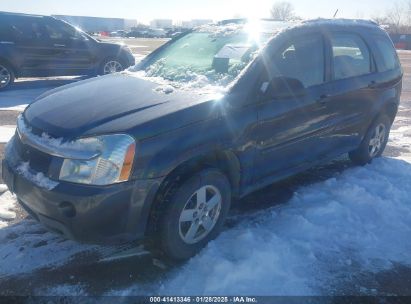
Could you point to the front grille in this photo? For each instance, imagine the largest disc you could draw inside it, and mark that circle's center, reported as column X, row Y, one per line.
column 38, row 161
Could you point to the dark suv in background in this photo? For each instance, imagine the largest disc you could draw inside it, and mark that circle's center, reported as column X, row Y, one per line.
column 41, row 46
column 160, row 153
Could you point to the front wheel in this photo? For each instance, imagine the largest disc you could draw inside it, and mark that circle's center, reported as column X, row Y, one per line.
column 111, row 65
column 374, row 141
column 195, row 214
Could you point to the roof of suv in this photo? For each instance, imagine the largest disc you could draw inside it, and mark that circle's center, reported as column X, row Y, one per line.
column 19, row 14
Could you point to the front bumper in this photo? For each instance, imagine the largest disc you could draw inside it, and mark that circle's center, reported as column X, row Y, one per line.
column 91, row 214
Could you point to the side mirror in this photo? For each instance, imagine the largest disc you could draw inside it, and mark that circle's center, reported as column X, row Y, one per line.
column 283, row 87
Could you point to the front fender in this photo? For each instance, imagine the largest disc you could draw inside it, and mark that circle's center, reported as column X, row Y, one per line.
column 159, row 155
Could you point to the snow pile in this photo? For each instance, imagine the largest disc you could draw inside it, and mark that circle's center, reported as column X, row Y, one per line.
column 402, row 136
column 216, row 30
column 37, row 178
column 87, row 144
column 356, row 223
column 7, row 206
column 166, row 89
column 6, row 132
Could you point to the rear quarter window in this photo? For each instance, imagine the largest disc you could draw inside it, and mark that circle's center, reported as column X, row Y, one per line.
column 351, row 57
column 389, row 59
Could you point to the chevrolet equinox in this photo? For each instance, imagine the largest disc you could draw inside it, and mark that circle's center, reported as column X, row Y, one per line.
column 160, row 150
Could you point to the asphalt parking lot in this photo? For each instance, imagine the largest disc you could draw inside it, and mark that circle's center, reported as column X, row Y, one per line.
column 88, row 272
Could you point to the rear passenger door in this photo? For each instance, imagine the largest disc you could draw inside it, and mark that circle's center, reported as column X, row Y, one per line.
column 352, row 90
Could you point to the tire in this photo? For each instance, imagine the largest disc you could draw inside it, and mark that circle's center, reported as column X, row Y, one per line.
column 111, row 65
column 373, row 145
column 177, row 238
column 6, row 75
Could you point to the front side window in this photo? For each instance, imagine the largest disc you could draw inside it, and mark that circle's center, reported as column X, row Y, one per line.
column 351, row 56
column 302, row 58
column 62, row 31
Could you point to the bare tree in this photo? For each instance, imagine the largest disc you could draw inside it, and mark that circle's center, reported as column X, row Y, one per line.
column 283, row 11
column 380, row 20
column 395, row 16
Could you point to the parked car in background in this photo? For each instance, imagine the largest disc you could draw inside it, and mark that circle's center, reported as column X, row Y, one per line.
column 219, row 112
column 401, row 41
column 40, row 46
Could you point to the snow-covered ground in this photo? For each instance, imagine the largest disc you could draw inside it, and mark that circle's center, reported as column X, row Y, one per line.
column 6, row 132
column 356, row 222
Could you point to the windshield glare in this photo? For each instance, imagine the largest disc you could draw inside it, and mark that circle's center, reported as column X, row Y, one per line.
column 206, row 57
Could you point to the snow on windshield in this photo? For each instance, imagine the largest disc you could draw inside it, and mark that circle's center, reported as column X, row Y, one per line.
column 210, row 56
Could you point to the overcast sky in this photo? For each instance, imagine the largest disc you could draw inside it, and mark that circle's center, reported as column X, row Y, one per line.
column 145, row 10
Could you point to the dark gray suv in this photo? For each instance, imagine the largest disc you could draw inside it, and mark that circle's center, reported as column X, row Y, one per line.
column 214, row 114
column 40, row 46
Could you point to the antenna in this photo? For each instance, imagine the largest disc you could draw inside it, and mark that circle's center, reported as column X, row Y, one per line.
column 336, row 12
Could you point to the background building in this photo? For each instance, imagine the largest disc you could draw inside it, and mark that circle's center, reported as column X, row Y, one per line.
column 195, row 22
column 98, row 24
column 161, row 23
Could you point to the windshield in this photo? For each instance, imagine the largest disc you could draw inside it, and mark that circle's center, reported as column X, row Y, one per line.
column 210, row 55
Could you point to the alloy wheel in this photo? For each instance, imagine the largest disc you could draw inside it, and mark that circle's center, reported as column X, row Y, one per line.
column 200, row 214
column 5, row 76
column 112, row 66
column 377, row 140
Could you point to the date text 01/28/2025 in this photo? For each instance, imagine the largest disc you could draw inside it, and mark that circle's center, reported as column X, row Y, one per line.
column 203, row 300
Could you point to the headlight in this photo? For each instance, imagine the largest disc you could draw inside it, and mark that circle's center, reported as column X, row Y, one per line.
column 112, row 165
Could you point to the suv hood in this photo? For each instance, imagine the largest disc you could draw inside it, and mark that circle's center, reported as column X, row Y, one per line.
column 115, row 103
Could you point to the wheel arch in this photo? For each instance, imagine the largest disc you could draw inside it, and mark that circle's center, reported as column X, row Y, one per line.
column 390, row 109
column 224, row 160
column 12, row 66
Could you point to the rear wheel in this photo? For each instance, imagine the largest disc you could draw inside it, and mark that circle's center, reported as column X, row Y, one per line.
column 374, row 141
column 6, row 76
column 195, row 214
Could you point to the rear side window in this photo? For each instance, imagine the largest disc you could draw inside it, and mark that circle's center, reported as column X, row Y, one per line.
column 28, row 28
column 292, row 60
column 351, row 56
column 389, row 55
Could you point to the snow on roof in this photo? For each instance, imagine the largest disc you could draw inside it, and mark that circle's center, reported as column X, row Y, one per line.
column 341, row 22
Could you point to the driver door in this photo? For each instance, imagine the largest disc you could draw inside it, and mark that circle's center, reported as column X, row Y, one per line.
column 290, row 130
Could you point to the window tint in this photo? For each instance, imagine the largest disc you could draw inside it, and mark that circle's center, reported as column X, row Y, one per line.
column 388, row 53
column 302, row 58
column 60, row 31
column 28, row 28
column 351, row 56
column 5, row 31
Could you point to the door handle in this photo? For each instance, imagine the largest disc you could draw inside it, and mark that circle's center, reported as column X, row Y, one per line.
column 323, row 99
